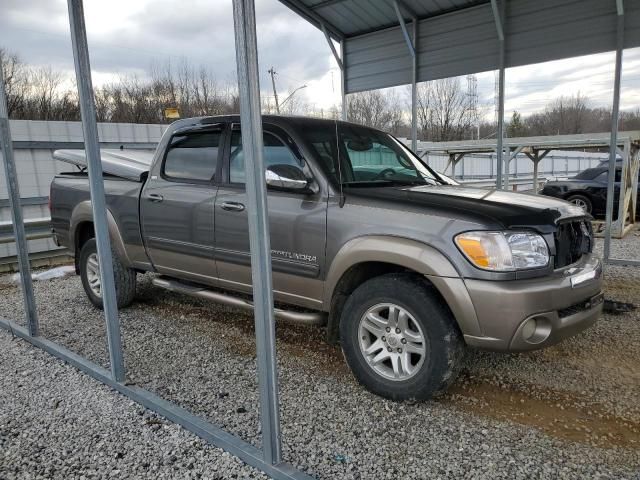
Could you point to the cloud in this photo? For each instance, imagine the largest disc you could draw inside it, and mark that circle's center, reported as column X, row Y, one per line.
column 129, row 36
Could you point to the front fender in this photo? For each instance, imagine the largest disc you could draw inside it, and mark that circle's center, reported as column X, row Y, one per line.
column 83, row 212
column 415, row 256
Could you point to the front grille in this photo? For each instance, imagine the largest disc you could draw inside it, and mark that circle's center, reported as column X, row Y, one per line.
column 573, row 239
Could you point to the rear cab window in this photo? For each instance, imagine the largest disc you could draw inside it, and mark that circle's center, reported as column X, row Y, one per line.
column 192, row 157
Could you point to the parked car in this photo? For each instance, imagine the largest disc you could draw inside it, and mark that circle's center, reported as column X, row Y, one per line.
column 588, row 189
column 404, row 267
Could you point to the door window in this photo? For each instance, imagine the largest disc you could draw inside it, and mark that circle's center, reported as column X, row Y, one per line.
column 192, row 156
column 275, row 153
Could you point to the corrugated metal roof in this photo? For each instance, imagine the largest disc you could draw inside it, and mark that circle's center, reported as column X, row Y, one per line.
column 458, row 37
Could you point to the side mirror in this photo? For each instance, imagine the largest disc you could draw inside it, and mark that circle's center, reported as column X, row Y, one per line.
column 286, row 177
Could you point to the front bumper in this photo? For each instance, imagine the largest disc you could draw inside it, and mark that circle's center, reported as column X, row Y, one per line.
column 530, row 314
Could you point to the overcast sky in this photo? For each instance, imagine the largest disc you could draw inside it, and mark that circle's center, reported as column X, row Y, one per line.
column 127, row 37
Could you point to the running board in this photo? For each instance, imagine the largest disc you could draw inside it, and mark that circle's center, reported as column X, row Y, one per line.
column 301, row 318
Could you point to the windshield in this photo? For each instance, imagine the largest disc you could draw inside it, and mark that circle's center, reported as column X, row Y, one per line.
column 367, row 157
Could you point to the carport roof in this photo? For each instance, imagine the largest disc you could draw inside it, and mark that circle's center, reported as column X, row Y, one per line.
column 458, row 37
column 349, row 18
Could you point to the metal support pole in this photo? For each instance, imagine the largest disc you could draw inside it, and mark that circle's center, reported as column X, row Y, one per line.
column 340, row 61
column 414, row 90
column 11, row 177
column 343, row 80
column 622, row 192
column 244, row 21
column 507, row 164
column 536, row 158
column 499, row 20
column 411, row 41
column 613, row 144
column 96, row 184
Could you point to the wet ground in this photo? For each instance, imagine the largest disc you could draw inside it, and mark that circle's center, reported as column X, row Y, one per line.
column 570, row 411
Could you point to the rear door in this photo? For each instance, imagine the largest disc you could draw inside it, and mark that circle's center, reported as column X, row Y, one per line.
column 297, row 223
column 177, row 205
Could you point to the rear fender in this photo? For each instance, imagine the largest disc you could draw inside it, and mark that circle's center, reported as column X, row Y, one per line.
column 83, row 212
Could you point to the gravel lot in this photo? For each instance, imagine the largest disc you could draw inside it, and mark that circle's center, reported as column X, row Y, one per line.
column 571, row 411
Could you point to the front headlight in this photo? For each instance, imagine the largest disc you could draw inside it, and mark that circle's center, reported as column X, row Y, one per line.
column 504, row 251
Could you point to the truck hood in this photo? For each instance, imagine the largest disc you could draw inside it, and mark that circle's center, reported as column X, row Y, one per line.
column 507, row 209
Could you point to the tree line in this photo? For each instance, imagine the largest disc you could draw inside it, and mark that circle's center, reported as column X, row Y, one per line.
column 444, row 109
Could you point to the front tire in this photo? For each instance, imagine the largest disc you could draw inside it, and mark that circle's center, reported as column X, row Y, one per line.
column 125, row 278
column 400, row 339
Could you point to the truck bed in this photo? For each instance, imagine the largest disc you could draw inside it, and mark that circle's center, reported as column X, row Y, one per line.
column 129, row 164
column 70, row 190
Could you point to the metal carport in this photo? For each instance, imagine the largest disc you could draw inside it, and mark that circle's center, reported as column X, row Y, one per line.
column 448, row 37
column 388, row 43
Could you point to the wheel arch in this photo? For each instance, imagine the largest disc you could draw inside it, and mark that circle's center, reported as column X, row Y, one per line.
column 581, row 193
column 367, row 257
column 82, row 229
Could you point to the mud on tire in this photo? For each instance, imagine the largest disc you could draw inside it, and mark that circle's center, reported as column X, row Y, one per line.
column 426, row 316
column 125, row 278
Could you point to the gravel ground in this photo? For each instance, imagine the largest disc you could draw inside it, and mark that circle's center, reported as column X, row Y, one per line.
column 570, row 411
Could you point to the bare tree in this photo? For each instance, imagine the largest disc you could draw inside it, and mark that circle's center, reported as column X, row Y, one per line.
column 375, row 109
column 564, row 115
column 16, row 84
column 444, row 111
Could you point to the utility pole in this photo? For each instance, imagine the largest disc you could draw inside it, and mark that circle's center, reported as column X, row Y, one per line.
column 275, row 93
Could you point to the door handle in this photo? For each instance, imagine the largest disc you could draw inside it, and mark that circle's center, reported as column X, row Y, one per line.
column 155, row 197
column 233, row 206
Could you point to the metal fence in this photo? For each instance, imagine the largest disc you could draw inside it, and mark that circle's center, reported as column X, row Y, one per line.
column 483, row 165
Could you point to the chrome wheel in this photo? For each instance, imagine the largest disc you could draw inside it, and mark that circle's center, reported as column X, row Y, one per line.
column 93, row 274
column 580, row 203
column 391, row 341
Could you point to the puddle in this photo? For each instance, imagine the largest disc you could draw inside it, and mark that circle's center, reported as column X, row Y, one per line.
column 559, row 414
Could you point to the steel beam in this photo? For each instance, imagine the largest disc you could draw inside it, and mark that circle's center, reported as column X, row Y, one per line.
column 613, row 144
column 343, row 81
column 332, row 47
column 207, row 431
column 96, row 184
column 252, row 144
column 411, row 45
column 414, row 90
column 340, row 61
column 11, row 177
column 499, row 16
column 403, row 26
column 312, row 17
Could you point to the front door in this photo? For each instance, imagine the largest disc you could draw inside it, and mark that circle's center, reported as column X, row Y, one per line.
column 177, row 206
column 297, row 224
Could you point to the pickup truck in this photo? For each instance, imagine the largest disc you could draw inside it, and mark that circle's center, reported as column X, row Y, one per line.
column 405, row 267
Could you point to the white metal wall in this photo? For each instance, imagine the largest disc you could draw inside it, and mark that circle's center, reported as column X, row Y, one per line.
column 36, row 166
column 482, row 165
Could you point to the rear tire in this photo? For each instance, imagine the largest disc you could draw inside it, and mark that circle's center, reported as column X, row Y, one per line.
column 125, row 278
column 399, row 316
column 581, row 201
